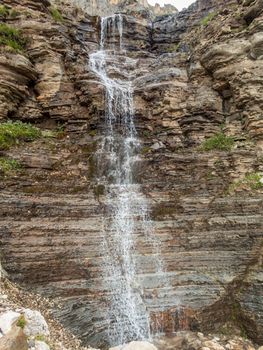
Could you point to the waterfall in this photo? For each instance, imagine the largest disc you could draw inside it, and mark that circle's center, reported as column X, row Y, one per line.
column 127, row 211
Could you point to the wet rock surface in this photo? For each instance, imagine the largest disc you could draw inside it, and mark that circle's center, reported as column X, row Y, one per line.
column 191, row 81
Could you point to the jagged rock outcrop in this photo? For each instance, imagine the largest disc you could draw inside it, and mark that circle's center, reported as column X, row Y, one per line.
column 192, row 78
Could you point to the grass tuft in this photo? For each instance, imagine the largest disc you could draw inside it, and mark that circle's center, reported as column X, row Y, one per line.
column 13, row 132
column 8, row 165
column 21, row 322
column 218, row 142
column 40, row 337
column 4, row 11
column 208, row 18
column 252, row 181
column 12, row 37
column 55, row 13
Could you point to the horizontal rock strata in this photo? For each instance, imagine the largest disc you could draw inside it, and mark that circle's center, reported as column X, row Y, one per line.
column 52, row 211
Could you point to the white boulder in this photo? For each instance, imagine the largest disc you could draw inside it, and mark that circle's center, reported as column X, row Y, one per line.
column 41, row 345
column 7, row 320
column 35, row 324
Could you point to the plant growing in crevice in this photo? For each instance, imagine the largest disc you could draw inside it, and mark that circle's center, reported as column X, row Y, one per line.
column 8, row 165
column 13, row 132
column 93, row 132
column 41, row 337
column 4, row 11
column 12, row 38
column 56, row 14
column 207, row 19
column 173, row 48
column 219, row 142
column 251, row 182
column 21, row 322
column 146, row 150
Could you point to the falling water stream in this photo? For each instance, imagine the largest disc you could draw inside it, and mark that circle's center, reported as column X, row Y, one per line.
column 118, row 156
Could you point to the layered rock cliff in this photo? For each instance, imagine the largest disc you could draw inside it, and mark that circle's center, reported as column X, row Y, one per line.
column 108, row 7
column 196, row 74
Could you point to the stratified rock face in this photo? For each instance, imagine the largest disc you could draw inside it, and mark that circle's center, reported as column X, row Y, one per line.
column 52, row 212
column 169, row 30
column 108, row 7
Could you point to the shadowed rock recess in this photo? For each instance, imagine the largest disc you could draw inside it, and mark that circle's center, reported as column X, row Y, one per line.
column 196, row 77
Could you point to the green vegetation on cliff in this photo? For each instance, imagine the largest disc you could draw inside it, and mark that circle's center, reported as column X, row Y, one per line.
column 219, row 142
column 6, row 12
column 55, row 13
column 21, row 322
column 252, row 181
column 12, row 37
column 13, row 132
column 8, row 165
column 208, row 18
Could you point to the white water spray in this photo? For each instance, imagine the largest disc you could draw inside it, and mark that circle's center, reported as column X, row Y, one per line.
column 127, row 217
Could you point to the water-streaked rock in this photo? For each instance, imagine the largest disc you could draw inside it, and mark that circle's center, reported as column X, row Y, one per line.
column 52, row 212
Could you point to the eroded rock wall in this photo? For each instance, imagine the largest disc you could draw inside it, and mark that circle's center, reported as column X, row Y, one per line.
column 192, row 79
